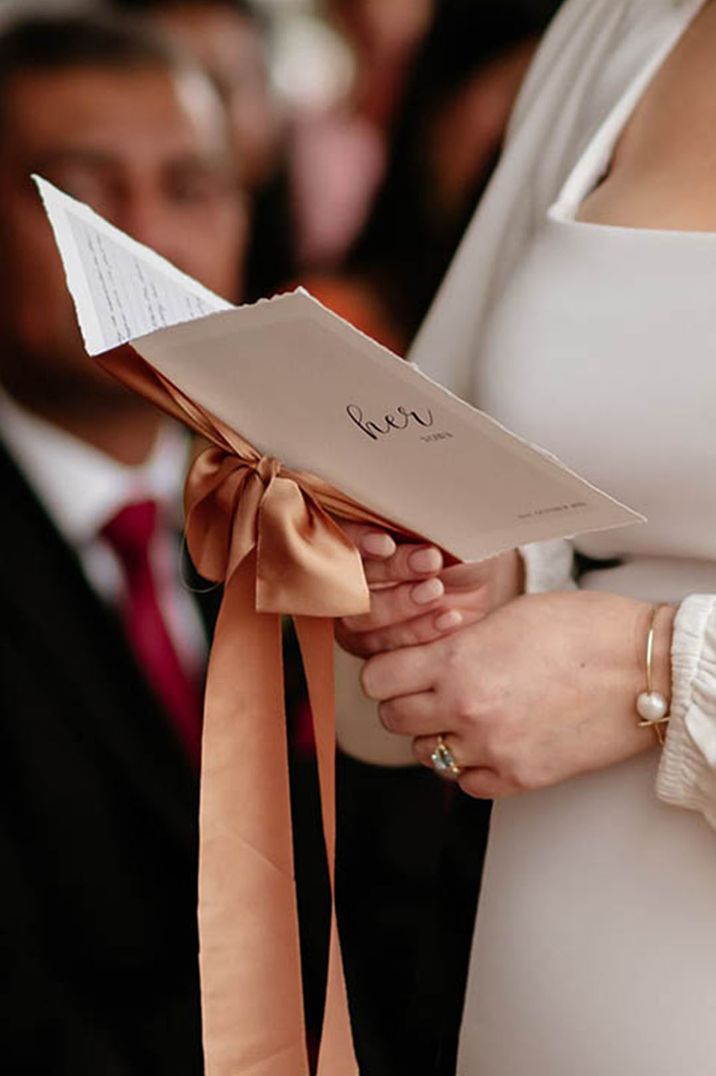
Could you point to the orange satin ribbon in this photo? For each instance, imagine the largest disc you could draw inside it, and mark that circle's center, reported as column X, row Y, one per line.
column 265, row 532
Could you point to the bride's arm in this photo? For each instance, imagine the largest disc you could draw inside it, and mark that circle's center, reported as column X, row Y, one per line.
column 687, row 772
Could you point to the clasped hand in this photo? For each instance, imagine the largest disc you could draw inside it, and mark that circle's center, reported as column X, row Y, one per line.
column 527, row 690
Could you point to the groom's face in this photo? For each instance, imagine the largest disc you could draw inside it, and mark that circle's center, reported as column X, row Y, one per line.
column 147, row 148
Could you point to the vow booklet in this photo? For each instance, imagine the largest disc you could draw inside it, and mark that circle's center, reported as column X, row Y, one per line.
column 303, row 385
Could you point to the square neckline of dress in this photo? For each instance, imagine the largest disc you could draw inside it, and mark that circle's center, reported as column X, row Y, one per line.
column 594, row 160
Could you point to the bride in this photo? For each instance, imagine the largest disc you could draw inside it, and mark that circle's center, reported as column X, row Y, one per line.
column 581, row 312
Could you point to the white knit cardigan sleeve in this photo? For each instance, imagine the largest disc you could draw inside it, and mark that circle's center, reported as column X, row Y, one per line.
column 687, row 774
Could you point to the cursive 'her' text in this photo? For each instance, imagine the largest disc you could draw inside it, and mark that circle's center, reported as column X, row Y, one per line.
column 399, row 419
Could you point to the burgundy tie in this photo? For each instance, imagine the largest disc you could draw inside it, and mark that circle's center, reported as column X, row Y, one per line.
column 130, row 534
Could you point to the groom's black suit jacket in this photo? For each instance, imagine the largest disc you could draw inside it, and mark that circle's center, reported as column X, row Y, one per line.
column 98, row 829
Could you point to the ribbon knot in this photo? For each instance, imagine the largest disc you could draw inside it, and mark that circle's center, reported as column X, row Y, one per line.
column 268, row 468
column 305, row 564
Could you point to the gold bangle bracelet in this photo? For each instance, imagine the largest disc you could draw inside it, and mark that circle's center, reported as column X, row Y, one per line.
column 651, row 705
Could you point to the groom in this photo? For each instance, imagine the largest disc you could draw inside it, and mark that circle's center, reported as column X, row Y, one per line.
column 102, row 648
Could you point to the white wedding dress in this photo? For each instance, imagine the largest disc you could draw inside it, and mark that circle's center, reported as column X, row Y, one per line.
column 595, row 950
column 595, row 947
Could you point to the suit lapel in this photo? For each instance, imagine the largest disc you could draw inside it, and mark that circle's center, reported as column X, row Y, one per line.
column 81, row 650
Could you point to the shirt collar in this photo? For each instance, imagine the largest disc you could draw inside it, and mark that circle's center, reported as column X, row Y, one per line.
column 81, row 487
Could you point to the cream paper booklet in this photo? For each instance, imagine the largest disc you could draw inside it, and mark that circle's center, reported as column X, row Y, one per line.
column 302, row 385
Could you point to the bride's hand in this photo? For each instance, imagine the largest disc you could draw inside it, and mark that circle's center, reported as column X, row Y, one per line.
column 415, row 598
column 541, row 690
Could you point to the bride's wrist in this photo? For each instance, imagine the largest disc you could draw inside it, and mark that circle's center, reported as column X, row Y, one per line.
column 511, row 581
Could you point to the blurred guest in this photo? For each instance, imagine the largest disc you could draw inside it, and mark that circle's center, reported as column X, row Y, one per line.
column 339, row 153
column 102, row 649
column 385, row 35
column 444, row 145
column 229, row 38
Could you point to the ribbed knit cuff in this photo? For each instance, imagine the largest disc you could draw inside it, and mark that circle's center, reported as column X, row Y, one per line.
column 548, row 566
column 687, row 773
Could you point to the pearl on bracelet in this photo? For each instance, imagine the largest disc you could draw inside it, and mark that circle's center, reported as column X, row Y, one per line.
column 651, row 707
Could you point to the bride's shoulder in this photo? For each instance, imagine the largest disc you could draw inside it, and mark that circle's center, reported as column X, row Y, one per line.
column 600, row 42
column 580, row 31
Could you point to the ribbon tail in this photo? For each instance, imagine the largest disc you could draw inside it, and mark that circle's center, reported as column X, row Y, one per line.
column 336, row 1056
column 252, row 997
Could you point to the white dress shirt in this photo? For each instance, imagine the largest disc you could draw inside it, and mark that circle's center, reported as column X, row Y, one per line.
column 81, row 489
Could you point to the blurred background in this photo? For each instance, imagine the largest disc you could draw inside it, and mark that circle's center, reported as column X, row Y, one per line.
column 365, row 131
column 355, row 138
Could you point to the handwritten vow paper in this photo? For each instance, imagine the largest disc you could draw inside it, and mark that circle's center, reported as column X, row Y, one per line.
column 306, row 387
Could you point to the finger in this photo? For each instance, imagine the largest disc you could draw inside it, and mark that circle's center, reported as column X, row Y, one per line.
column 413, row 715
column 467, row 576
column 385, row 561
column 422, row 629
column 396, row 604
column 483, row 783
column 408, row 562
column 402, row 672
column 369, row 540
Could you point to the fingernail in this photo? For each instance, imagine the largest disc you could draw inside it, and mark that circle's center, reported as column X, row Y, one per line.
column 379, row 545
column 427, row 592
column 426, row 560
column 451, row 619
